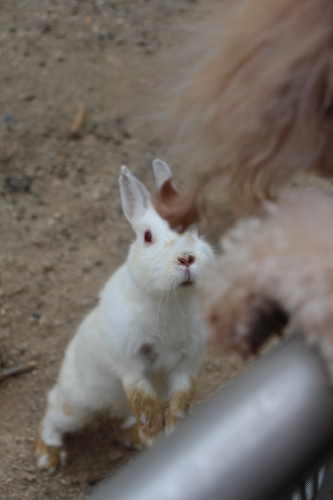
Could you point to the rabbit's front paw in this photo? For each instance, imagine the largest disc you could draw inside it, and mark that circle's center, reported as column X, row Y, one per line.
column 179, row 407
column 151, row 422
column 149, row 412
column 49, row 457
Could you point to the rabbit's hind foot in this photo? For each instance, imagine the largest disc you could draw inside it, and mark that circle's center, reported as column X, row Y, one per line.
column 49, row 457
column 126, row 432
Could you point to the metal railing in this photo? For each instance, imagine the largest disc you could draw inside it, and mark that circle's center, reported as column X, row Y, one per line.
column 250, row 442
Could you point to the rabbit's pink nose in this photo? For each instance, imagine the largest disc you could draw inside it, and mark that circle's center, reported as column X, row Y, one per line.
column 186, row 261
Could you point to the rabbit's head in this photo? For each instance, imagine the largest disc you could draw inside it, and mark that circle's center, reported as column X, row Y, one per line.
column 160, row 259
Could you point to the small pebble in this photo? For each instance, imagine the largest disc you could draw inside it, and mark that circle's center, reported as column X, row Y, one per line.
column 31, row 478
column 26, row 97
column 9, row 121
column 60, row 56
column 46, row 28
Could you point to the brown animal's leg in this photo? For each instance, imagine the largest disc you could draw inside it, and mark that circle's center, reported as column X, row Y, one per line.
column 149, row 412
column 179, row 406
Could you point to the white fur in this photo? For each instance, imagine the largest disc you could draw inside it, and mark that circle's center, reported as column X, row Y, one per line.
column 143, row 303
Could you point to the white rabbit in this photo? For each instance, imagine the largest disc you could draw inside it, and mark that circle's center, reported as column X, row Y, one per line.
column 146, row 329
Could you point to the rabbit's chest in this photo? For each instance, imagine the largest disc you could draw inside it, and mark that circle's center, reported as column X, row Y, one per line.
column 165, row 347
column 160, row 356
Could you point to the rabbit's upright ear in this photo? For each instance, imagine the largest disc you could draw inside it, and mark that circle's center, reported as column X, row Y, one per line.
column 162, row 172
column 135, row 196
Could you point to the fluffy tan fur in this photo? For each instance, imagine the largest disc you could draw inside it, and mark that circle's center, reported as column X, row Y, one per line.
column 271, row 269
column 258, row 106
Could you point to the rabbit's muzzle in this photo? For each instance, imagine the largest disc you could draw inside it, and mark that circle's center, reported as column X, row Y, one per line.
column 186, row 266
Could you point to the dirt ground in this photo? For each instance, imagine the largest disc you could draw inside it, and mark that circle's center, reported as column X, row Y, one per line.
column 62, row 228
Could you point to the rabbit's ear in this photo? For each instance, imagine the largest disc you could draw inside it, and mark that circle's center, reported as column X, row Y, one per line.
column 135, row 196
column 162, row 172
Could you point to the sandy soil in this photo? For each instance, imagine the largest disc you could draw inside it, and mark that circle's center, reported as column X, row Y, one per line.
column 61, row 223
column 62, row 228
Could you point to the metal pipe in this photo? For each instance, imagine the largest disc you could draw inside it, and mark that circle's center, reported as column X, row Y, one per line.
column 247, row 443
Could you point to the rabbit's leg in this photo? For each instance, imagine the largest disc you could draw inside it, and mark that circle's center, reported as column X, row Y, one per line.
column 59, row 419
column 148, row 409
column 182, row 391
column 127, row 432
column 124, row 422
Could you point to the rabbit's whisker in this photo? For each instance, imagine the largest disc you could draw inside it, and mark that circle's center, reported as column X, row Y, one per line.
column 154, row 287
column 166, row 307
column 180, row 310
column 158, row 329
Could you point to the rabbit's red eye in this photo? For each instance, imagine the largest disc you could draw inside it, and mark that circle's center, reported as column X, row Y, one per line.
column 148, row 237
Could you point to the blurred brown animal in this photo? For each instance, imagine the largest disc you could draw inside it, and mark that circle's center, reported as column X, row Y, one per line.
column 272, row 270
column 258, row 106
